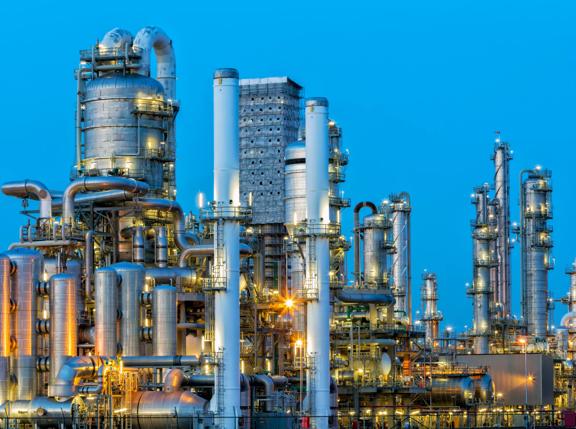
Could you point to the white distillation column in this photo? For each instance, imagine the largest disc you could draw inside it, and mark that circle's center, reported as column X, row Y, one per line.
column 484, row 260
column 226, row 269
column 318, row 260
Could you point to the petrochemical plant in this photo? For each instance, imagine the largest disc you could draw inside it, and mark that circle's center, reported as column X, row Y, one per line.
column 121, row 309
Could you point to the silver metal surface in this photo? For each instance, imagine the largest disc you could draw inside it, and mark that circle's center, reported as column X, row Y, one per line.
column 132, row 278
column 31, row 189
column 70, row 374
column 401, row 276
column 431, row 317
column 106, row 301
column 375, row 229
column 455, row 390
column 63, row 323
column 138, row 245
column 156, row 410
column 94, row 184
column 28, row 264
column 161, row 247
column 535, row 210
column 502, row 156
column 164, row 320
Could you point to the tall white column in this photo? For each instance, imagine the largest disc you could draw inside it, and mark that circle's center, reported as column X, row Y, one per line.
column 318, row 266
column 226, row 399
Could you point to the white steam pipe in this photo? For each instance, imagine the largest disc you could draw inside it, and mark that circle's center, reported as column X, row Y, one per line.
column 318, row 264
column 116, row 38
column 227, row 244
column 155, row 38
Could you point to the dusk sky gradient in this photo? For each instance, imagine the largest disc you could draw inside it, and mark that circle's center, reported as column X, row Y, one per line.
column 419, row 87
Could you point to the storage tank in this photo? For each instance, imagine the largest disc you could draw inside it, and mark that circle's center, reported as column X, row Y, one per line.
column 452, row 390
column 376, row 243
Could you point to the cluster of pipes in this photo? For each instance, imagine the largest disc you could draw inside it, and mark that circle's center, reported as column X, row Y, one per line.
column 55, row 300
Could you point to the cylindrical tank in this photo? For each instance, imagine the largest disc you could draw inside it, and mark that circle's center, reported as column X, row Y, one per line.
column 430, row 314
column 375, row 251
column 536, row 242
column 73, row 267
column 138, row 250
column 483, row 388
column 453, row 391
column 63, row 323
column 161, row 247
column 106, row 281
column 164, row 320
column 155, row 410
column 124, row 131
column 28, row 265
column 400, row 207
column 295, row 183
column 131, row 286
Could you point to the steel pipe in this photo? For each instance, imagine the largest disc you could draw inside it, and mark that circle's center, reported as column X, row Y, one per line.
column 94, row 184
column 31, row 189
column 207, row 250
column 72, row 372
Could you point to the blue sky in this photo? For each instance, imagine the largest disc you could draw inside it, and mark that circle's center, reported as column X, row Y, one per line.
column 418, row 86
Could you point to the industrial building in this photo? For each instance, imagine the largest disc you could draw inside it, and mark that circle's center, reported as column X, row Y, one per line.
column 121, row 309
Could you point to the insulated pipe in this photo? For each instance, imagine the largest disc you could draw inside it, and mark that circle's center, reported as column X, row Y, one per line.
column 318, row 260
column 92, row 184
column 364, row 296
column 164, row 320
column 5, row 269
column 268, row 384
column 132, row 277
column 357, row 209
column 160, row 361
column 28, row 265
column 31, row 189
column 116, row 38
column 106, row 297
column 207, row 250
column 155, row 38
column 174, row 380
column 227, row 245
column 103, row 197
column 63, row 323
column 70, row 374
column 176, row 276
column 88, row 264
column 182, row 239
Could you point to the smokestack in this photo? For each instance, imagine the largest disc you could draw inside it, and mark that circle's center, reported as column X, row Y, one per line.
column 318, row 260
column 226, row 264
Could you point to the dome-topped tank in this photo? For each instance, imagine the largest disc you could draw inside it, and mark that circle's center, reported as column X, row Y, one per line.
column 125, row 128
column 375, row 228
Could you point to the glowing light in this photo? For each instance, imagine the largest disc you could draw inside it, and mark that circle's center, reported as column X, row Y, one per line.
column 289, row 303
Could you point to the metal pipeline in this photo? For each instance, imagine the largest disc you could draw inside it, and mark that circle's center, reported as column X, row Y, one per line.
column 364, row 296
column 72, row 372
column 182, row 239
column 41, row 412
column 63, row 323
column 160, row 361
column 114, row 196
column 357, row 209
column 31, row 189
column 155, row 38
column 176, row 276
column 94, row 184
column 207, row 250
column 28, row 265
column 88, row 264
column 267, row 383
column 116, row 38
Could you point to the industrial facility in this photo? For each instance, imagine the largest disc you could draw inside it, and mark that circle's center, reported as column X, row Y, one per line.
column 121, row 309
